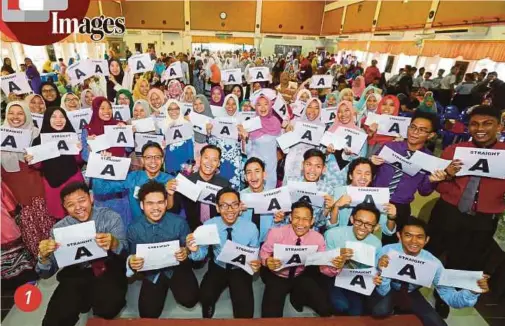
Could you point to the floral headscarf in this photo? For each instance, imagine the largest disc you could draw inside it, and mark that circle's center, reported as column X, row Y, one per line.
column 174, row 90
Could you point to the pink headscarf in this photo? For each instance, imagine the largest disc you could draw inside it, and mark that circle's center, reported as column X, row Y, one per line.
column 337, row 123
column 271, row 124
column 358, row 90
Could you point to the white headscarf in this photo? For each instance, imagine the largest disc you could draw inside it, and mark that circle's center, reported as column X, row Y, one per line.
column 235, row 98
column 169, row 121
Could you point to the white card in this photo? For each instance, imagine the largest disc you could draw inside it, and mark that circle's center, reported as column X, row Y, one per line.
column 372, row 195
column 79, row 71
column 140, row 63
column 309, row 133
column 362, row 252
column 252, row 124
column 187, row 188
column 208, row 194
column 66, row 142
column 121, row 113
column 481, row 162
column 429, row 162
column 99, row 67
column 144, row 125
column 79, row 118
column 120, row 136
column 351, row 138
column 259, row 74
column 372, row 118
column 322, row 258
column 286, row 253
column 178, row 132
column 37, row 120
column 356, row 280
column 398, row 161
column 391, row 125
column 231, row 76
column 100, row 143
column 238, row 255
column 461, row 279
column 108, row 168
column 287, row 140
column 43, row 152
column 16, row 83
column 207, row 234
column 328, row 115
column 142, row 139
column 225, row 128
column 281, row 107
column 315, row 198
column 199, row 122
column 15, row 139
column 158, row 255
column 218, row 111
column 321, row 81
column 172, row 72
column 410, row 269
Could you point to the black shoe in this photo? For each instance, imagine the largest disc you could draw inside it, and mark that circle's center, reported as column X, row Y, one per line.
column 442, row 308
column 208, row 311
column 295, row 303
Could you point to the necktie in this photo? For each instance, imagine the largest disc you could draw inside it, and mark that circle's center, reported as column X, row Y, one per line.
column 292, row 270
column 404, row 301
column 469, row 196
column 397, row 176
column 204, row 212
column 228, row 237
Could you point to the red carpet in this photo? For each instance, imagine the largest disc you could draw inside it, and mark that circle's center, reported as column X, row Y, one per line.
column 409, row 320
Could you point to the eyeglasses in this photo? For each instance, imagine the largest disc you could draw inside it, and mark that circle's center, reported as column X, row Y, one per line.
column 47, row 91
column 176, row 109
column 421, row 131
column 226, row 207
column 366, row 225
column 71, row 100
column 153, row 157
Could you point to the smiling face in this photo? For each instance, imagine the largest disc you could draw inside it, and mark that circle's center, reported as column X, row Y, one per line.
column 419, row 131
column 314, row 93
column 347, row 97
column 152, row 160
column 361, row 175
column 37, row 105
column 246, row 106
column 230, row 106
column 216, row 95
column 72, row 102
column 363, row 223
column 144, row 88
column 371, row 103
column 174, row 111
column 88, row 98
column 16, row 116
column 312, row 111
column 344, row 114
column 229, row 208
column 413, row 239
column 154, row 206
column 332, row 101
column 313, row 168
column 256, row 87
column 198, row 106
column 483, row 129
column 114, row 68
column 209, row 162
column 255, row 176
column 79, row 205
column 49, row 93
column 237, row 91
column 57, row 120
column 304, row 97
column 105, row 111
column 156, row 100
column 188, row 95
column 262, row 107
column 123, row 100
column 139, row 112
column 388, row 107
column 301, row 221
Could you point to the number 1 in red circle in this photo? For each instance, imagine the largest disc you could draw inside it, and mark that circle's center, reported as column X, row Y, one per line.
column 27, row 297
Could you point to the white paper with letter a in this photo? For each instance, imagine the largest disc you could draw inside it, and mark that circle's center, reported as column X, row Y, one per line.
column 481, row 162
column 158, row 255
column 391, row 125
column 80, row 71
column 178, row 132
column 208, row 194
column 120, row 136
column 291, row 255
column 108, row 168
column 309, row 133
column 231, row 76
column 321, row 81
column 121, row 112
column 77, row 244
column 80, row 118
column 356, row 280
column 66, row 141
column 16, row 83
column 372, row 195
column 140, row 63
column 15, row 139
column 410, row 269
column 225, row 128
column 238, row 255
column 398, row 161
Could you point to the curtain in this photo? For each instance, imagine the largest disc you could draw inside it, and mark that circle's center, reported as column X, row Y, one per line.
column 469, row 50
column 398, row 47
column 352, row 45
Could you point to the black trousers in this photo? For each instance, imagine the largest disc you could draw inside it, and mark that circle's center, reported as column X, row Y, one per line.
column 403, row 211
column 305, row 288
column 241, row 292
column 183, row 284
column 79, row 290
column 465, row 240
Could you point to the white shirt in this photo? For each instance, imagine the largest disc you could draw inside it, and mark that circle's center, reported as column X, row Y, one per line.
column 447, row 81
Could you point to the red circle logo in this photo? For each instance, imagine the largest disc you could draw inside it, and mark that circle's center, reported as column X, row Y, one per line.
column 27, row 297
column 41, row 22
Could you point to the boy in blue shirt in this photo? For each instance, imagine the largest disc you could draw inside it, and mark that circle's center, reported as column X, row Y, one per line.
column 231, row 226
column 413, row 237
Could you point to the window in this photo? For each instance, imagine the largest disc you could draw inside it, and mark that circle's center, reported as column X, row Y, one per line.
column 38, row 54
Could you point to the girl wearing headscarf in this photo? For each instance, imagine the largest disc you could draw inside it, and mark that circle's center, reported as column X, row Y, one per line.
column 245, row 105
column 370, row 106
column 33, row 75
column 262, row 143
column 179, row 154
column 156, row 99
column 199, row 77
column 332, row 100
column 238, row 92
column 7, row 66
column 217, row 96
column 358, row 86
column 25, row 182
column 141, row 110
column 174, row 90
column 360, row 105
column 36, row 103
column 59, row 171
column 87, row 98
column 215, row 75
column 125, row 97
column 118, row 79
column 201, row 106
column 102, row 116
column 389, row 105
column 70, row 102
column 428, row 105
column 188, row 96
column 50, row 94
column 141, row 89
column 47, row 67
column 346, row 94
column 286, row 87
column 231, row 149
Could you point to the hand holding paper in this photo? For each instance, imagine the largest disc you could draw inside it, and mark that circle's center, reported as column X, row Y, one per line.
column 206, row 234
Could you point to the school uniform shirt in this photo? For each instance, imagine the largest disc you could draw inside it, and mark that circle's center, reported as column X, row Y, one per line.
column 244, row 232
column 336, row 238
column 454, row 298
column 491, row 191
column 286, row 235
column 106, row 221
column 447, row 81
column 171, row 227
column 344, row 215
column 266, row 221
column 134, row 180
column 408, row 185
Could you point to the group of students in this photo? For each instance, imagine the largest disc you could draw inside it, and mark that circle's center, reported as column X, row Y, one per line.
column 146, row 207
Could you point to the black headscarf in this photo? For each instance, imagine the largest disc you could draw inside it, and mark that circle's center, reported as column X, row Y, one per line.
column 7, row 67
column 241, row 98
column 111, row 92
column 59, row 169
column 57, row 100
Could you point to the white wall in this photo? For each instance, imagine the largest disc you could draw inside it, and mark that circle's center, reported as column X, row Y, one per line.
column 162, row 41
column 267, row 45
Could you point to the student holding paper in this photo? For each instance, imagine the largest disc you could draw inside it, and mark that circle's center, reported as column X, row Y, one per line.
column 50, row 94
column 197, row 213
column 141, row 110
column 174, row 90
column 179, row 154
column 300, row 282
column 141, row 89
column 465, row 218
column 402, row 187
column 361, row 173
column 263, row 142
column 231, row 149
column 389, row 105
column 70, row 102
column 36, row 103
column 125, row 97
column 413, row 238
column 188, row 95
column 157, row 100
column 58, row 171
column 231, row 226
column 370, row 106
column 99, row 284
column 255, row 176
column 87, row 98
column 25, row 181
column 158, row 225
column 118, row 79
column 364, row 219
